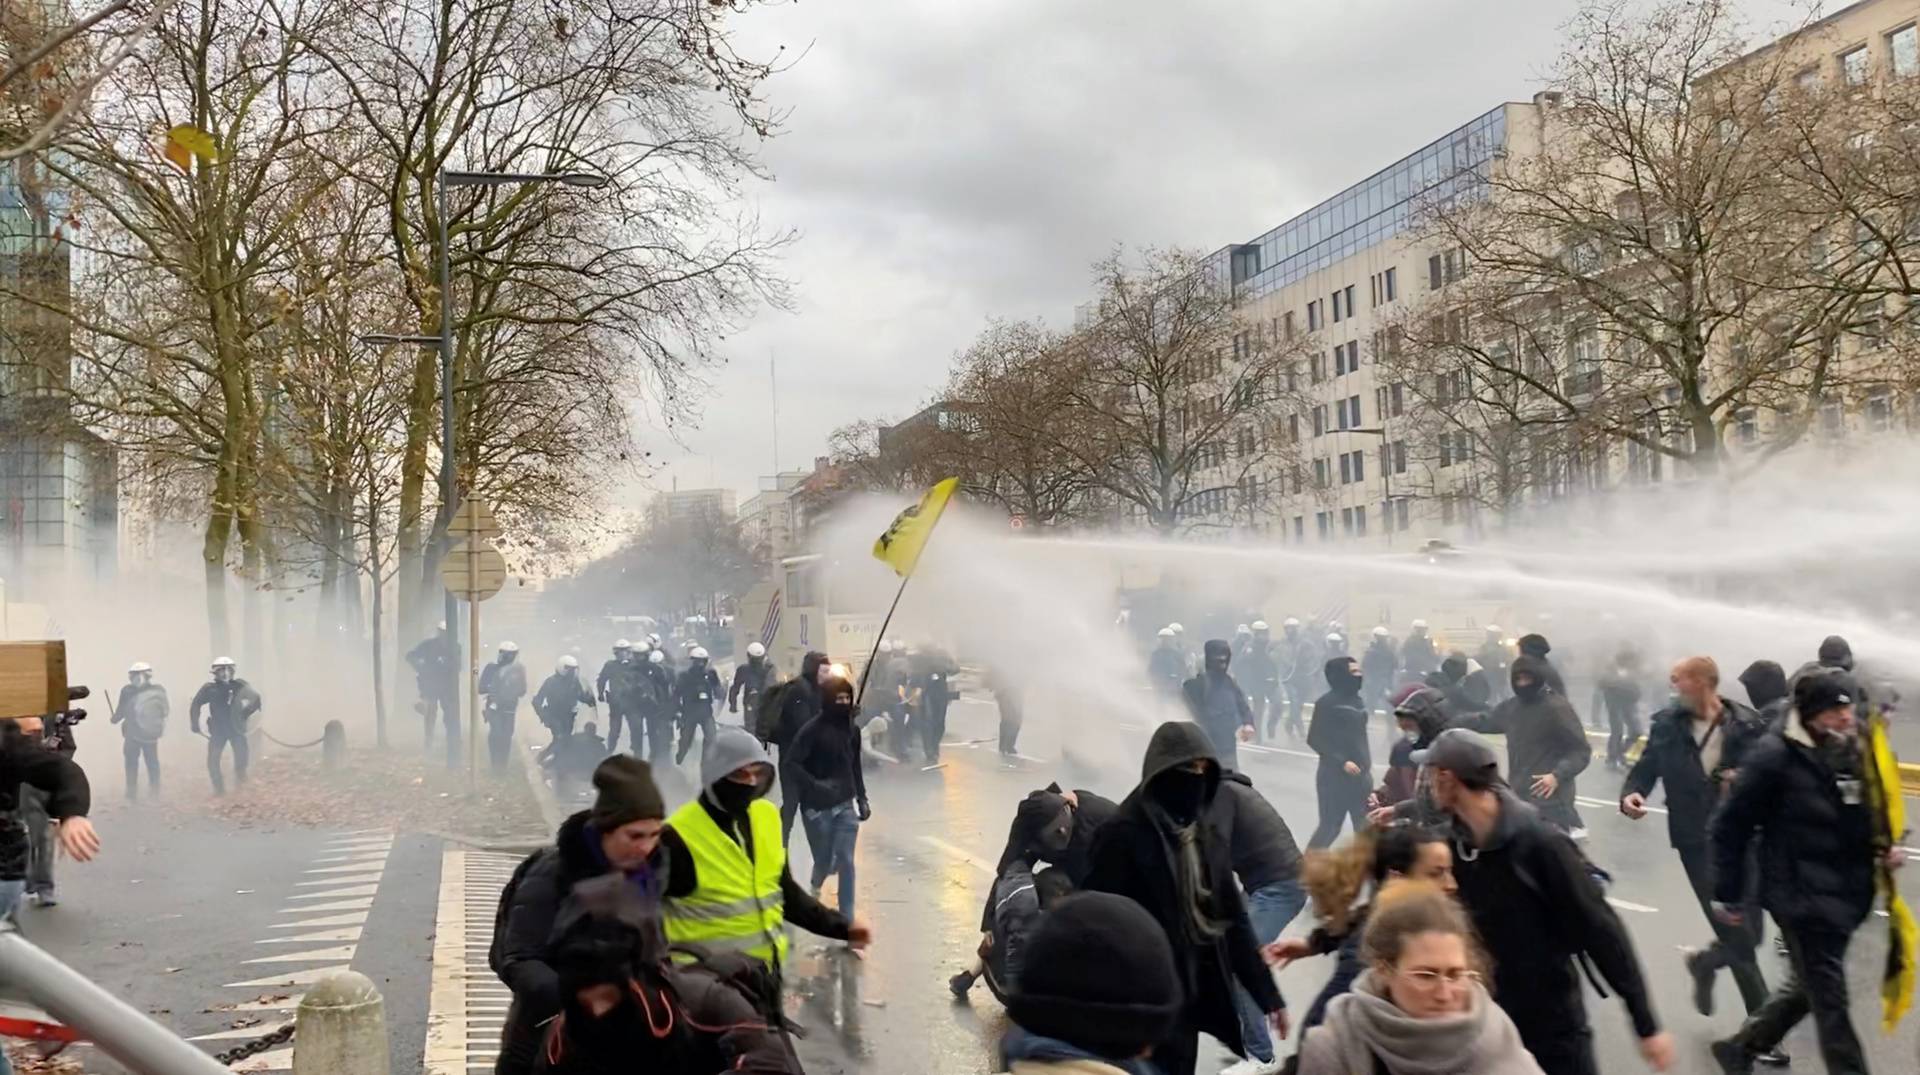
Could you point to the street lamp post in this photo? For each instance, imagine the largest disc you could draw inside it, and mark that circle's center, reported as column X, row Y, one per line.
column 1386, row 473
column 444, row 341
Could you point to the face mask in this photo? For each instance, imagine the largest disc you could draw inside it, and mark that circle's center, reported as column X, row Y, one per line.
column 1181, row 794
column 1528, row 691
column 733, row 796
column 837, row 709
column 1055, row 837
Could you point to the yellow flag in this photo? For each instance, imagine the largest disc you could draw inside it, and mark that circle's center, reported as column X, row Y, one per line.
column 900, row 546
column 1896, row 984
column 185, row 142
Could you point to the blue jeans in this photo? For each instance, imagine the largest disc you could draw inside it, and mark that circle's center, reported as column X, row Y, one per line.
column 1271, row 909
column 832, row 833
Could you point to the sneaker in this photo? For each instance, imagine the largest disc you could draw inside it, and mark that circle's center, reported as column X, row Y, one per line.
column 1578, row 832
column 1732, row 1057
column 1703, row 975
column 44, row 899
column 961, row 984
column 1774, row 1058
column 1251, row 1066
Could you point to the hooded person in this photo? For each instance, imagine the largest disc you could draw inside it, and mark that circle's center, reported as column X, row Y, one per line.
column 724, row 853
column 1102, row 989
column 794, row 704
column 1536, row 645
column 624, row 1007
column 1267, row 862
column 1546, row 745
column 827, row 776
column 1379, row 664
column 1836, row 652
column 1405, row 793
column 1766, row 684
column 1339, row 736
column 1463, row 683
column 1159, row 852
column 1218, row 705
column 618, row 835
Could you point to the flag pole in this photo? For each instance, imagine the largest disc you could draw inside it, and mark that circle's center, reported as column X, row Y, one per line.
column 867, row 669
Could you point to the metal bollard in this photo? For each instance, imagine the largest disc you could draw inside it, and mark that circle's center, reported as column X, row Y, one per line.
column 341, row 1028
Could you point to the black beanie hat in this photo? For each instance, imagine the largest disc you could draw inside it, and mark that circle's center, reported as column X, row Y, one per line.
column 1099, row 975
column 627, row 793
column 1816, row 694
column 1535, row 645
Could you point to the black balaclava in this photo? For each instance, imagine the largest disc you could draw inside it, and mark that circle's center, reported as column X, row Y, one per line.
column 1533, row 669
column 733, row 797
column 1182, row 794
column 834, row 710
column 1342, row 675
column 1218, row 655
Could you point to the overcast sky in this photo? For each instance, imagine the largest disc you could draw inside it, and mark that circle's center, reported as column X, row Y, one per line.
column 947, row 161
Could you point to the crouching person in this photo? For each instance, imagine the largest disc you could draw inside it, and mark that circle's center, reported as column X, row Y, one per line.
column 626, row 1008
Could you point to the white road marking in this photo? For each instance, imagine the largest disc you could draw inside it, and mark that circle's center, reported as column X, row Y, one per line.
column 959, row 853
column 360, row 878
column 277, row 1060
column 351, row 933
column 338, row 893
column 343, row 905
column 298, row 977
column 1625, row 905
column 357, row 918
column 376, row 863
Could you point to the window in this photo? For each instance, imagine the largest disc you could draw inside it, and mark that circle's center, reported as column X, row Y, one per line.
column 1401, row 510
column 1380, row 399
column 1346, row 468
column 1349, row 293
column 1853, row 66
column 1324, row 519
column 1338, row 316
column 1433, row 273
column 1446, row 450
column 1321, row 473
column 1293, row 428
column 1320, row 420
column 1880, row 410
column 1399, row 399
column 1359, row 466
column 1808, row 80
column 1300, row 528
column 1318, row 363
column 1346, row 358
column 1903, row 49
column 1399, row 457
column 1287, row 325
column 1390, row 286
column 1833, row 421
column 1346, row 521
column 1748, row 425
column 1445, row 268
column 1313, row 316
column 1353, row 408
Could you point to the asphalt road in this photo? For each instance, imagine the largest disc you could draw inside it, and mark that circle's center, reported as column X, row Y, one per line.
column 179, row 904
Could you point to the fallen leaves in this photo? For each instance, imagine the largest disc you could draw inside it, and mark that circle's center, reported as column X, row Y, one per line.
column 397, row 790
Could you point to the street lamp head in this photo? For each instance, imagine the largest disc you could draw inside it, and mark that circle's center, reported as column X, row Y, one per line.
column 506, row 179
column 583, row 180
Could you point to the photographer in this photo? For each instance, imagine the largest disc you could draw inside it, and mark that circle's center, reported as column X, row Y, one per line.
column 30, row 767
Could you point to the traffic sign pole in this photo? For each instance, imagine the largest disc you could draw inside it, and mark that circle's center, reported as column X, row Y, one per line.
column 474, row 571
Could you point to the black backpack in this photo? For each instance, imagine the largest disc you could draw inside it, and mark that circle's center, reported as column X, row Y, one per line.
column 773, row 702
column 495, row 949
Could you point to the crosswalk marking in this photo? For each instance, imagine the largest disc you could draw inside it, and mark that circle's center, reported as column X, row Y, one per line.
column 467, row 1004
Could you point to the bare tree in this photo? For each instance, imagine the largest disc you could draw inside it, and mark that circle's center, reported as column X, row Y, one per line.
column 1011, row 408
column 52, row 59
column 1166, row 387
column 1638, row 277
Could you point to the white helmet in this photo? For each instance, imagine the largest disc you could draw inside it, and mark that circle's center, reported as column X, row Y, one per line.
column 653, row 640
column 223, row 662
column 1381, row 632
column 1291, row 622
column 566, row 662
column 139, row 666
column 508, row 647
column 620, row 644
column 1177, row 629
column 1335, row 639
column 1166, row 632
column 1493, row 628
column 698, row 654
column 1242, row 629
column 755, row 649
column 656, row 657
column 1261, row 625
column 1419, row 625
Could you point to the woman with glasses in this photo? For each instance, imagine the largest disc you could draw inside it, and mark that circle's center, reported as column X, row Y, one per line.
column 1419, row 1008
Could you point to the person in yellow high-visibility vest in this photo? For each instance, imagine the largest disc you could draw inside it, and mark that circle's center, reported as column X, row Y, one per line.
column 728, row 887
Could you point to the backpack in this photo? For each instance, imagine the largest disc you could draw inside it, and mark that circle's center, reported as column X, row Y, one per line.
column 496, row 949
column 773, row 703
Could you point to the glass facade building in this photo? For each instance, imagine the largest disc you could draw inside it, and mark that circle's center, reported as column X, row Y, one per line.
column 1371, row 211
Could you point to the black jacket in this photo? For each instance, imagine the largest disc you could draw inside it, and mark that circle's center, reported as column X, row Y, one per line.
column 520, row 959
column 26, row 760
column 560, row 697
column 436, row 664
column 1671, row 757
column 801, row 909
column 1379, row 664
column 504, row 685
column 749, row 679
column 824, row 763
column 1536, row 907
column 1194, row 692
column 1418, row 656
column 802, row 703
column 696, row 691
column 1166, row 668
column 621, row 683
column 1818, row 833
column 1092, row 813
column 1338, row 732
column 1258, row 667
column 717, row 1028
column 228, row 705
column 1543, row 736
column 1134, row 857
column 1259, row 842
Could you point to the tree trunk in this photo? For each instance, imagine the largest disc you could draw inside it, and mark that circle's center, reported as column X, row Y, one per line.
column 422, row 406
column 375, row 561
column 213, row 554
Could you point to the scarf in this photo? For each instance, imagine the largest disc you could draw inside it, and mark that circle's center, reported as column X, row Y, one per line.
column 1201, row 923
column 1481, row 1040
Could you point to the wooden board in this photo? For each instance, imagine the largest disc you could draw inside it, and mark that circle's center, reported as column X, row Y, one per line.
column 33, row 678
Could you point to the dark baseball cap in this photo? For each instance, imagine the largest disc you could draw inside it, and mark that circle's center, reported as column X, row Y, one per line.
column 1462, row 752
column 1819, row 692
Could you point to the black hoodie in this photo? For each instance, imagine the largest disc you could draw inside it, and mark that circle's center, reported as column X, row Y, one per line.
column 1135, row 856
column 1025, row 840
column 1339, row 729
column 1543, row 736
column 824, row 760
column 799, row 704
column 1766, row 684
